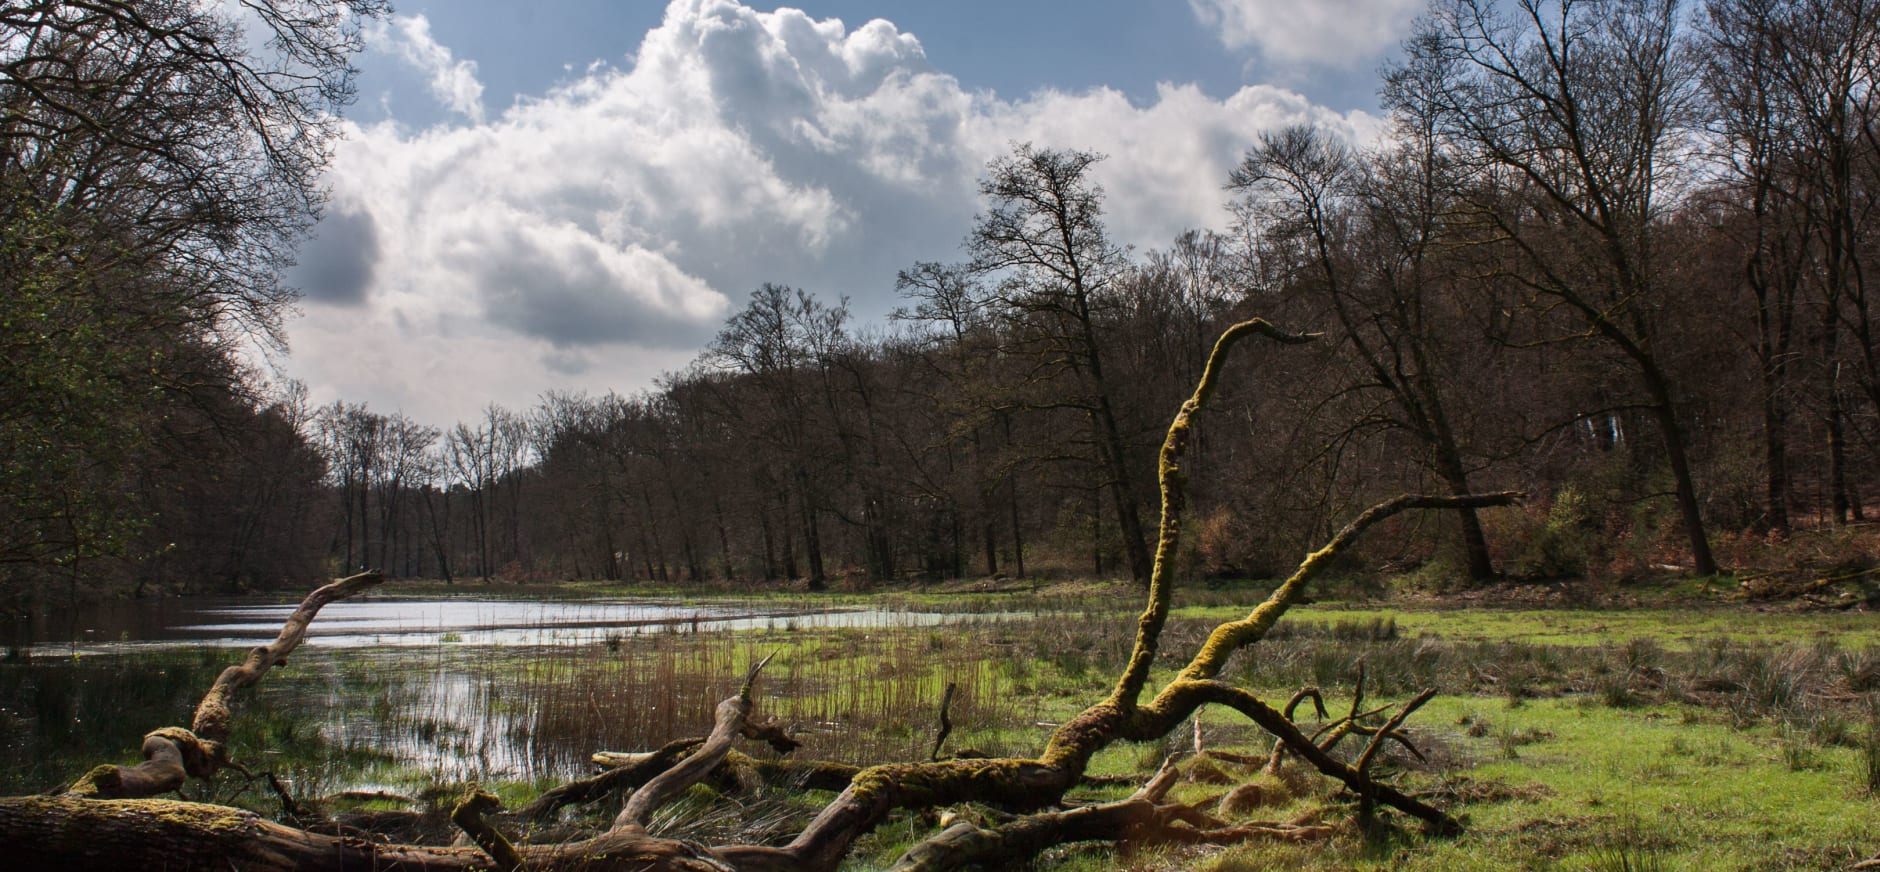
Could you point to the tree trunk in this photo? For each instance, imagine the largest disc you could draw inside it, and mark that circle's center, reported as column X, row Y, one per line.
column 1474, row 543
column 1702, row 562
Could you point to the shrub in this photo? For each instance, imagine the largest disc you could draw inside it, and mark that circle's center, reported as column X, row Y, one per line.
column 1559, row 543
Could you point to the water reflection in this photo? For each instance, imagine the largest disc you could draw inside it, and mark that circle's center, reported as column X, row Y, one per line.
column 388, row 691
column 405, row 622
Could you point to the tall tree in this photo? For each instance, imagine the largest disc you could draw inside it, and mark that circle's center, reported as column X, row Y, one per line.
column 1367, row 230
column 157, row 167
column 1571, row 114
column 1042, row 242
column 780, row 340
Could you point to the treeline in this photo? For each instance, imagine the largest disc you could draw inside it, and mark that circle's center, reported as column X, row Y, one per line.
column 157, row 169
column 1613, row 254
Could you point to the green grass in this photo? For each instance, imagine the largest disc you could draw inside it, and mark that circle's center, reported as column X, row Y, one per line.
column 1574, row 740
column 1671, row 627
column 1691, row 793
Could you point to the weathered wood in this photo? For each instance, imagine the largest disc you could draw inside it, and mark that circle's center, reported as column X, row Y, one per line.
column 79, row 835
column 1144, row 818
column 468, row 816
column 729, row 724
column 172, row 755
column 79, row 832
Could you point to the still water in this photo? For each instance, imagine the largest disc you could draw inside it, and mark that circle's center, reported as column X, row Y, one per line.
column 407, row 622
column 393, row 691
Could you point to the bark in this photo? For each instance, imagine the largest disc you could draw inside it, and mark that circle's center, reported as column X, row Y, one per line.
column 79, row 832
column 173, row 754
column 1142, row 819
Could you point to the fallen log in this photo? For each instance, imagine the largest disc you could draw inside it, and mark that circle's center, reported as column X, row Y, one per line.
column 172, row 755
column 84, row 830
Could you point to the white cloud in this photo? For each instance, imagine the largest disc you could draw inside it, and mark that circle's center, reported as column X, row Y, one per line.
column 1335, row 33
column 453, row 82
column 592, row 236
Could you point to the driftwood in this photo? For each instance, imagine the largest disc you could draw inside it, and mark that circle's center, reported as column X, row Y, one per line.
column 173, row 755
column 83, row 830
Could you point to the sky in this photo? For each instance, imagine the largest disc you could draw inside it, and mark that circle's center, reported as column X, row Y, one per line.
column 572, row 195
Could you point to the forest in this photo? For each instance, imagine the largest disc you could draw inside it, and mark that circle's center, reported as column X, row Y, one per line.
column 1593, row 313
column 1625, row 274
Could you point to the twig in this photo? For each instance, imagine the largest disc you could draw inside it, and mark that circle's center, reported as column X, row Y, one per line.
column 946, row 725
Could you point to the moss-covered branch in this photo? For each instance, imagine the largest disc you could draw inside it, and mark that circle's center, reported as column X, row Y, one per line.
column 1172, row 481
column 1233, row 635
column 172, row 755
column 468, row 816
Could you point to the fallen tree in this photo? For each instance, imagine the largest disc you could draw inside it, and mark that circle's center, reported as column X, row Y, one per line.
column 110, row 818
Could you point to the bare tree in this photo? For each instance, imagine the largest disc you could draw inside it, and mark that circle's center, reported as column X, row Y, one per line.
column 1366, row 231
column 1042, row 243
column 1570, row 116
column 781, row 340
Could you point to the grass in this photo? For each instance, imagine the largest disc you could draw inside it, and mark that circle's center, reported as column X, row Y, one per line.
column 1570, row 740
column 1672, row 627
column 1647, row 788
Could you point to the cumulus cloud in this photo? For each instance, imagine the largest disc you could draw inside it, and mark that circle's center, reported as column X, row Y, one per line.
column 453, row 82
column 336, row 265
column 587, row 238
column 1337, row 33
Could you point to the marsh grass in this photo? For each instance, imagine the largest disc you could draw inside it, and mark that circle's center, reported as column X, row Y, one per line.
column 1587, row 739
column 1629, row 845
column 1869, row 751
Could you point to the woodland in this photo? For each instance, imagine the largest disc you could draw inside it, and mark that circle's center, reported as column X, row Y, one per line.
column 1594, row 313
column 1614, row 255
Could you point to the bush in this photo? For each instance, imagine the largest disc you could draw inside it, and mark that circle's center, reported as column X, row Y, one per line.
column 1559, row 543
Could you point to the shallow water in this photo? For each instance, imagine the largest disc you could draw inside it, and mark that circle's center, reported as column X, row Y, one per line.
column 406, row 622
column 459, row 689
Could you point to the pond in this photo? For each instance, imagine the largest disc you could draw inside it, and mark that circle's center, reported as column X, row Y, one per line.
column 395, row 693
column 412, row 621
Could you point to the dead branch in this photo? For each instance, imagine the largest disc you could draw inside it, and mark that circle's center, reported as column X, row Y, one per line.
column 676, row 778
column 66, row 828
column 173, row 754
column 632, row 771
column 627, row 773
column 1142, row 819
column 946, row 725
column 468, row 816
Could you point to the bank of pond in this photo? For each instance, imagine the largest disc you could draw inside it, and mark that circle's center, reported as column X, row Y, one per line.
column 1558, row 735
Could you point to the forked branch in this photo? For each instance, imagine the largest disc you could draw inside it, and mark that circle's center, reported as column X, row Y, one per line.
column 172, row 755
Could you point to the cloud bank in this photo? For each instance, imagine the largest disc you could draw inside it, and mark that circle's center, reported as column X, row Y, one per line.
column 592, row 236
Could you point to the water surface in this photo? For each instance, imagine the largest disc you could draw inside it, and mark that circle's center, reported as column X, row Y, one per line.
column 412, row 621
column 387, row 689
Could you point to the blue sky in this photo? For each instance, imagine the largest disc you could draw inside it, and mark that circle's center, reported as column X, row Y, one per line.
column 572, row 195
column 1012, row 48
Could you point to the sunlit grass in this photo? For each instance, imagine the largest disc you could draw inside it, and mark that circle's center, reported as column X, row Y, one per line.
column 1567, row 740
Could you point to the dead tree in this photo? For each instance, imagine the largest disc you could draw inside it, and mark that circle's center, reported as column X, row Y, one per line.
column 84, row 830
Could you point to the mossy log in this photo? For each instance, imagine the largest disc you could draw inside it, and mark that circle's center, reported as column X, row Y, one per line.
column 83, row 830
column 173, row 755
column 109, row 835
